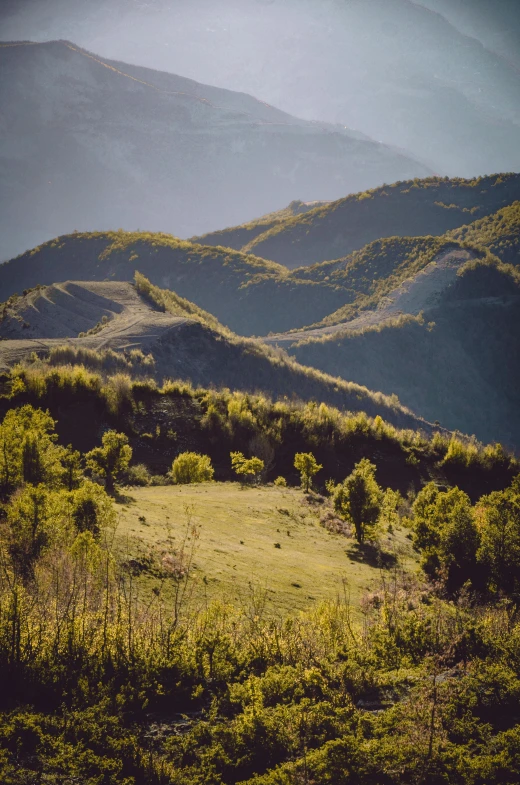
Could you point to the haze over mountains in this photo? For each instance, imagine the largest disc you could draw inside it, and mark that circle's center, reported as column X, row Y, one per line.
column 94, row 144
column 437, row 78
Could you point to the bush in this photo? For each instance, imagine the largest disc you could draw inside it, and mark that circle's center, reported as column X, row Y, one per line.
column 191, row 467
column 138, row 475
column 281, row 482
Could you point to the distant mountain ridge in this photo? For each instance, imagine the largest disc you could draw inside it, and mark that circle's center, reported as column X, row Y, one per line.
column 92, row 144
column 436, row 77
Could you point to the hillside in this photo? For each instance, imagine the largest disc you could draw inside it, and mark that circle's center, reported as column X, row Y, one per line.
column 237, row 237
column 308, row 567
column 499, row 232
column 446, row 342
column 253, row 296
column 84, row 138
column 427, row 207
column 157, row 334
column 383, row 212
column 250, row 296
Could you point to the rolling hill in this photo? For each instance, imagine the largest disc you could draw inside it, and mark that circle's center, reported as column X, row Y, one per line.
column 90, row 143
column 431, row 206
column 76, row 323
column 250, row 296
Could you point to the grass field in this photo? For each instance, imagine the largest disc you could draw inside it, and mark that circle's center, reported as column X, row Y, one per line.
column 247, row 543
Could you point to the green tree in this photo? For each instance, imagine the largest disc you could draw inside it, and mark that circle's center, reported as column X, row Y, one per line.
column 358, row 498
column 446, row 533
column 499, row 551
column 191, row 467
column 28, row 450
column 247, row 469
column 28, row 516
column 111, row 459
column 307, row 465
column 72, row 474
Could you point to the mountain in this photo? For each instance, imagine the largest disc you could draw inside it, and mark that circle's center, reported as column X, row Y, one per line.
column 494, row 23
column 441, row 85
column 156, row 333
column 89, row 143
column 431, row 206
column 446, row 342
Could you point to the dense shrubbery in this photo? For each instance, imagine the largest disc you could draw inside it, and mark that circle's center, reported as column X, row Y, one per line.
column 477, row 546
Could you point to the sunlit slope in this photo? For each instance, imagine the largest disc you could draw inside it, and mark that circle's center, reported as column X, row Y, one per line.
column 79, row 322
column 447, row 344
column 251, row 296
column 422, row 207
column 265, row 543
column 239, row 236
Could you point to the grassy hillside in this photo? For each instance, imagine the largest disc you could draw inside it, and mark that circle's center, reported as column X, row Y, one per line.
column 457, row 362
column 237, row 554
column 150, row 332
column 431, row 206
column 250, row 296
column 162, row 422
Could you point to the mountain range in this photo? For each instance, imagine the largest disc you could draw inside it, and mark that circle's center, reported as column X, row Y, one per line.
column 437, row 78
column 89, row 143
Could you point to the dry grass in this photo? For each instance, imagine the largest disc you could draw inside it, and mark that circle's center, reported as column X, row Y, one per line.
column 237, row 551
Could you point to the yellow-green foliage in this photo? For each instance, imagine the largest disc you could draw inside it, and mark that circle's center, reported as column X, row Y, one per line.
column 177, row 306
column 106, row 360
column 191, row 467
column 111, row 459
column 500, row 233
column 308, row 466
column 246, row 468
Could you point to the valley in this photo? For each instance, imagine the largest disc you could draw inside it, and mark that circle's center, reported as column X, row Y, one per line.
column 259, row 488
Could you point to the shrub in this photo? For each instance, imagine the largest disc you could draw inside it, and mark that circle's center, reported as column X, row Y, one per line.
column 138, row 475
column 281, row 482
column 189, row 467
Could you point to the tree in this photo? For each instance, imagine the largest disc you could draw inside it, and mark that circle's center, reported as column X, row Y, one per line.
column 191, row 467
column 358, row 499
column 111, row 459
column 28, row 452
column 500, row 538
column 72, row 474
column 248, row 469
column 28, row 518
column 446, row 533
column 308, row 466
